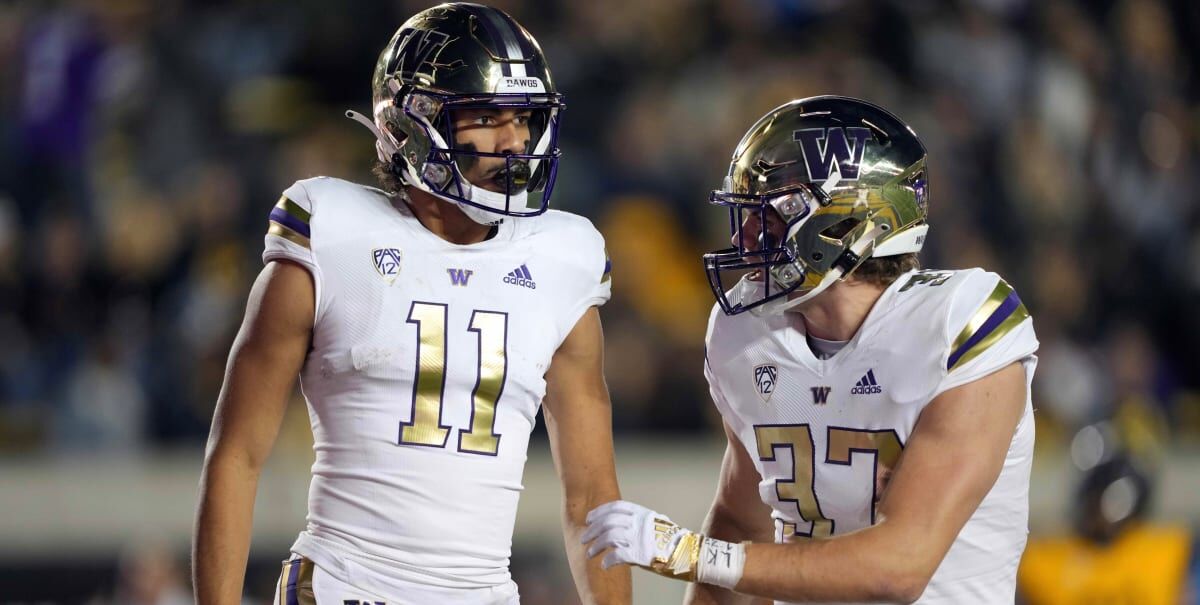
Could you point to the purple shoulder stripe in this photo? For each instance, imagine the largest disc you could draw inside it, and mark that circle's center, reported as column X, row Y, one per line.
column 281, row 216
column 1006, row 308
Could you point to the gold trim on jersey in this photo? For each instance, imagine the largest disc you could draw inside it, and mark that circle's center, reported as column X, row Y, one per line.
column 293, row 209
column 303, row 585
column 281, row 231
column 985, row 318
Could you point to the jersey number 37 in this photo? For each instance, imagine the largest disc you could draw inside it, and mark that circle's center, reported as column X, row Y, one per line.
column 842, row 443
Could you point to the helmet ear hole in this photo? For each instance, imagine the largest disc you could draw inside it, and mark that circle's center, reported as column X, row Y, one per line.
column 398, row 134
column 839, row 229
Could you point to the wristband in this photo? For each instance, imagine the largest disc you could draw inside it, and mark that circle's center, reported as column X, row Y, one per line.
column 721, row 563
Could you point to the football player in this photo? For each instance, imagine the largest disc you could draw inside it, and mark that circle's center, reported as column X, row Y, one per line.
column 878, row 417
column 428, row 321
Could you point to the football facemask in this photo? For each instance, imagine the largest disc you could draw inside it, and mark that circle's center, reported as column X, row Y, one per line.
column 505, row 183
column 763, row 266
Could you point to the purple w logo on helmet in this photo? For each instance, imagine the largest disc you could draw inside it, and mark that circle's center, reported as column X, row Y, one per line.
column 416, row 49
column 843, row 147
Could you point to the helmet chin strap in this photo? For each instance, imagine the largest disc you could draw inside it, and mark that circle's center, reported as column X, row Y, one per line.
column 862, row 247
column 385, row 145
column 780, row 306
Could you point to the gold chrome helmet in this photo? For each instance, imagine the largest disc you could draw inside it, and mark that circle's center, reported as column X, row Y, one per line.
column 846, row 178
column 458, row 56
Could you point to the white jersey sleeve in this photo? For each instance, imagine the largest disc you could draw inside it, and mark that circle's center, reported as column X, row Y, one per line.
column 987, row 328
column 290, row 232
column 728, row 414
column 583, row 246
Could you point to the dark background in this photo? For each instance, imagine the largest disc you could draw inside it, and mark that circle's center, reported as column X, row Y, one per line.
column 142, row 144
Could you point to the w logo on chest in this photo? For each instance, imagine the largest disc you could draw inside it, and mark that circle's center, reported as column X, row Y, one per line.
column 820, row 395
column 459, row 277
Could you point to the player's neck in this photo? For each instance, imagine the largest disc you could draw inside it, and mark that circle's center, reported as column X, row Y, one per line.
column 837, row 313
column 446, row 220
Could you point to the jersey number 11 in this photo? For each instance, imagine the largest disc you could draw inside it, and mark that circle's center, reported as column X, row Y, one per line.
column 429, row 383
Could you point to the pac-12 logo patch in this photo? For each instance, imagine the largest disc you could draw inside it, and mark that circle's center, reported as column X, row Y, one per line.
column 765, row 377
column 387, row 263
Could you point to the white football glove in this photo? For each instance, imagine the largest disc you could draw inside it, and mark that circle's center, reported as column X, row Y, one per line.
column 642, row 537
column 638, row 536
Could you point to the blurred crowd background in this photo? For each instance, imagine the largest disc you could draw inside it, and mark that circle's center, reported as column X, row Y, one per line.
column 142, row 144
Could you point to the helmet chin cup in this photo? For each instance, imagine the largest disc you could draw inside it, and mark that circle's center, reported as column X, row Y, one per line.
column 486, row 207
column 746, row 292
column 480, row 205
column 479, row 215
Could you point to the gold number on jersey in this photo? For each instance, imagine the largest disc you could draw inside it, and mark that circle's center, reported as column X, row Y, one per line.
column 840, row 445
column 492, row 330
column 884, row 445
column 426, row 426
column 799, row 489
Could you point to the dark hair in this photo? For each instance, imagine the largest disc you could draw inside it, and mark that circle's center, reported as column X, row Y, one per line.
column 388, row 180
column 880, row 271
column 885, row 270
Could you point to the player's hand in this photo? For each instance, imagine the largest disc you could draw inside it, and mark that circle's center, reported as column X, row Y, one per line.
column 640, row 536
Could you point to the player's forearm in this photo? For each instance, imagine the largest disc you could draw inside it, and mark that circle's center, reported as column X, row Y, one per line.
column 595, row 585
column 224, row 519
column 875, row 564
column 705, row 594
column 722, row 526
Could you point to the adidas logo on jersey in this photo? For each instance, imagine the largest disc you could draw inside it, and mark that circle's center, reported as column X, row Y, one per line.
column 867, row 385
column 520, row 277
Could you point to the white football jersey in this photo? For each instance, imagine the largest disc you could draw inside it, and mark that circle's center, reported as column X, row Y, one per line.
column 824, row 433
column 425, row 374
